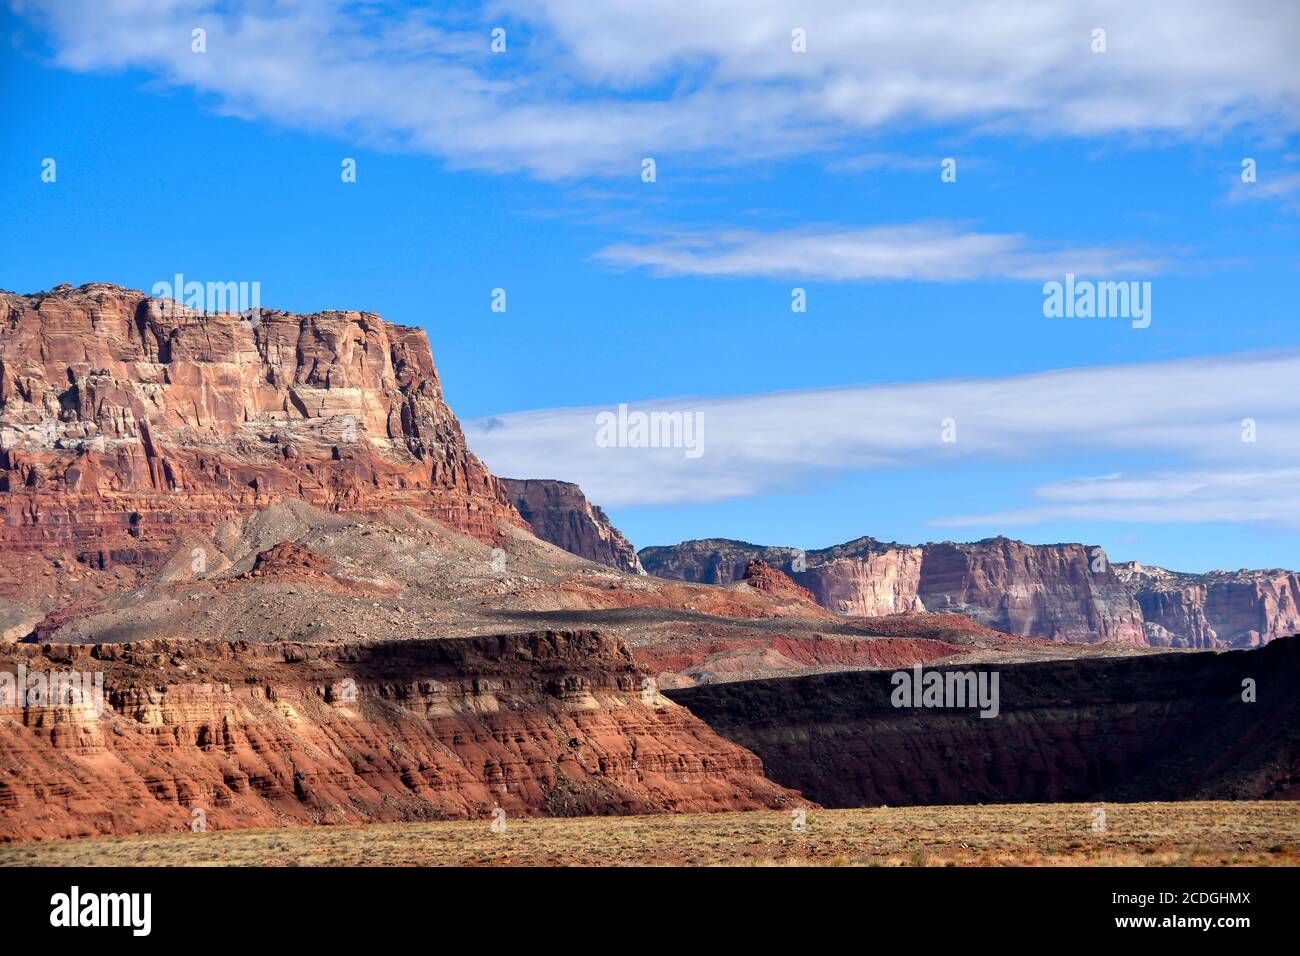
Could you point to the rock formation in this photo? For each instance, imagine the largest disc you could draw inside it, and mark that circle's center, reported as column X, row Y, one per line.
column 16, row 621
column 763, row 577
column 1144, row 727
column 560, row 513
column 1218, row 609
column 126, row 422
column 712, row 560
column 246, row 735
column 1064, row 592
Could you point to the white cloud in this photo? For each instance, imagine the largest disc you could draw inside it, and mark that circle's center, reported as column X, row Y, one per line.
column 1188, row 412
column 1266, row 496
column 933, row 252
column 1273, row 185
column 590, row 88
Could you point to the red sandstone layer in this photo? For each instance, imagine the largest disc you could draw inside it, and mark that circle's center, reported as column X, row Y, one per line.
column 555, row 723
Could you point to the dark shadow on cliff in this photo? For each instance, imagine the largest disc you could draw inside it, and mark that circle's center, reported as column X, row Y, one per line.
column 1157, row 727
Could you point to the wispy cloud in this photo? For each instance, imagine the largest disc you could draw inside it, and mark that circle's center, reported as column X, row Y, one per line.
column 1191, row 412
column 1281, row 186
column 933, row 252
column 1264, row 495
column 590, row 88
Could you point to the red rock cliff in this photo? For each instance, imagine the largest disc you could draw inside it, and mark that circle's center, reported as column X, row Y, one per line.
column 1063, row 592
column 1218, row 609
column 560, row 513
column 555, row 723
column 125, row 421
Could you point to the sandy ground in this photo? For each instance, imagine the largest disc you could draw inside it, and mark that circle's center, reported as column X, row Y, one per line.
column 1144, row 834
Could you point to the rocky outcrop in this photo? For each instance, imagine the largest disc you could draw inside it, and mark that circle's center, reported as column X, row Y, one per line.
column 712, row 560
column 1172, row 726
column 1064, row 592
column 1218, row 609
column 560, row 513
column 763, row 577
column 127, row 421
column 247, row 735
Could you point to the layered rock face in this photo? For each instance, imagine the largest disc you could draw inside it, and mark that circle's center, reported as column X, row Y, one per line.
column 866, row 578
column 1149, row 727
column 1219, row 609
column 558, row 512
column 247, row 735
column 1064, row 592
column 126, row 421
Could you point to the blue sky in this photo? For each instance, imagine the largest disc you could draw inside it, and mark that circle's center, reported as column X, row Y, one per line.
column 774, row 170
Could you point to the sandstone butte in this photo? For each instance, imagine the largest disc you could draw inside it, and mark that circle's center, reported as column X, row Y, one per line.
column 126, row 421
column 130, row 427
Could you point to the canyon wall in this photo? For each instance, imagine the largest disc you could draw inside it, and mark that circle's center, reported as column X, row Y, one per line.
column 712, row 560
column 1064, row 592
column 1149, row 727
column 249, row 735
column 126, row 421
column 558, row 512
column 1219, row 609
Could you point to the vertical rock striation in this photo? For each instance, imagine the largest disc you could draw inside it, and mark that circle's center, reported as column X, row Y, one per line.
column 1064, row 592
column 1218, row 609
column 126, row 421
column 560, row 513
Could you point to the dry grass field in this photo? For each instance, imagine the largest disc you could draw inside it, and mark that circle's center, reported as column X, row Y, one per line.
column 1150, row 834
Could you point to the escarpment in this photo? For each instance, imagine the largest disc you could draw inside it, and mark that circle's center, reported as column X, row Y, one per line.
column 1183, row 725
column 1218, row 609
column 127, row 421
column 1063, row 592
column 249, row 735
